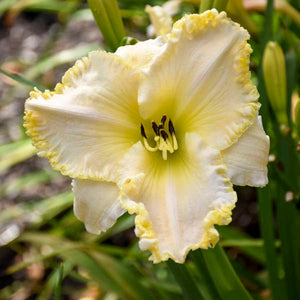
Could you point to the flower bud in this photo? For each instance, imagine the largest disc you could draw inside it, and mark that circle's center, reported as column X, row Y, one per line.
column 275, row 79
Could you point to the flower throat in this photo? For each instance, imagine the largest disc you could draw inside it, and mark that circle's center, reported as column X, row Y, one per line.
column 164, row 138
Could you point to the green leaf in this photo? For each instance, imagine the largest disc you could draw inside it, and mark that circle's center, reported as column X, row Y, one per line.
column 28, row 181
column 20, row 151
column 208, row 288
column 20, row 79
column 63, row 57
column 223, row 275
column 185, row 280
column 124, row 276
column 230, row 234
column 108, row 17
column 267, row 231
column 48, row 288
column 58, row 282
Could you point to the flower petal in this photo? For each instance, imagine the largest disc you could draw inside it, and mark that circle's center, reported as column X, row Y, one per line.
column 202, row 79
column 177, row 201
column 142, row 53
column 87, row 124
column 96, row 204
column 161, row 21
column 247, row 159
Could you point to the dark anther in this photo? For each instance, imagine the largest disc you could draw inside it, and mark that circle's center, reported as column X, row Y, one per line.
column 171, row 127
column 160, row 127
column 143, row 132
column 155, row 128
column 164, row 135
column 163, row 120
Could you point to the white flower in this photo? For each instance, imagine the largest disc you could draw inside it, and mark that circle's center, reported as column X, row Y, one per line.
column 100, row 127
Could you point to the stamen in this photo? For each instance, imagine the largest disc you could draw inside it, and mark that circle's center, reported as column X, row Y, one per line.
column 164, row 154
column 148, row 147
column 171, row 127
column 172, row 132
column 155, row 128
column 143, row 132
column 146, row 144
column 175, row 144
column 165, row 141
column 163, row 120
column 164, row 135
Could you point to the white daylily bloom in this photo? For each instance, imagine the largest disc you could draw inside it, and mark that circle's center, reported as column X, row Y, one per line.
column 160, row 130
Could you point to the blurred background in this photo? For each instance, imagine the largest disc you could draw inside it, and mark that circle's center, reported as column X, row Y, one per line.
column 39, row 41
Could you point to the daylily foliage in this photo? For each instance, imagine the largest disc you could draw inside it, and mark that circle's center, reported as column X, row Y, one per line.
column 161, row 129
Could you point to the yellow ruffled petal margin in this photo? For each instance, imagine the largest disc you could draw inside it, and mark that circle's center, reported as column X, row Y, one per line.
column 71, row 79
column 81, row 66
column 188, row 28
column 144, row 228
column 220, row 214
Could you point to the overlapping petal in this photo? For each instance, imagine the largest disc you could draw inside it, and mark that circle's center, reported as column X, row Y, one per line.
column 91, row 119
column 247, row 159
column 142, row 53
column 177, row 201
column 202, row 79
column 96, row 204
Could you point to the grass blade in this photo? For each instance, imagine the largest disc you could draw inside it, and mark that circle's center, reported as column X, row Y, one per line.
column 22, row 80
column 225, row 279
column 208, row 288
column 185, row 280
column 59, row 281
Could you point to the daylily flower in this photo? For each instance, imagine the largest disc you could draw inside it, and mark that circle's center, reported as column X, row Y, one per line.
column 160, row 130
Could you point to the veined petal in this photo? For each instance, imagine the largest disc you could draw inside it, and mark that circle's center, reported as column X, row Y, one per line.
column 177, row 201
column 141, row 54
column 161, row 21
column 96, row 204
column 87, row 124
column 247, row 159
column 202, row 79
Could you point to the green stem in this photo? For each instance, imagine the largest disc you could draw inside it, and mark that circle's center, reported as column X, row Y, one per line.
column 206, row 5
column 289, row 219
column 108, row 17
column 185, row 280
column 222, row 273
column 267, row 232
column 220, row 5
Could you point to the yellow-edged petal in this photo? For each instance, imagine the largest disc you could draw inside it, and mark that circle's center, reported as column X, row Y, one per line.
column 202, row 79
column 87, row 124
column 247, row 159
column 177, row 201
column 160, row 19
column 142, row 53
column 96, row 204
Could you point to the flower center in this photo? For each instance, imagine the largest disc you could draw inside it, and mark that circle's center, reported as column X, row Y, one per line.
column 165, row 139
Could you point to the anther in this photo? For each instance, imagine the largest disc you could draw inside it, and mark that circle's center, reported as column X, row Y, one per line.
column 143, row 132
column 164, row 135
column 163, row 120
column 172, row 132
column 155, row 128
column 165, row 141
column 171, row 127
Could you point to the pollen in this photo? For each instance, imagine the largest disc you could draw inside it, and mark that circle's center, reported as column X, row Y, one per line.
column 164, row 137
